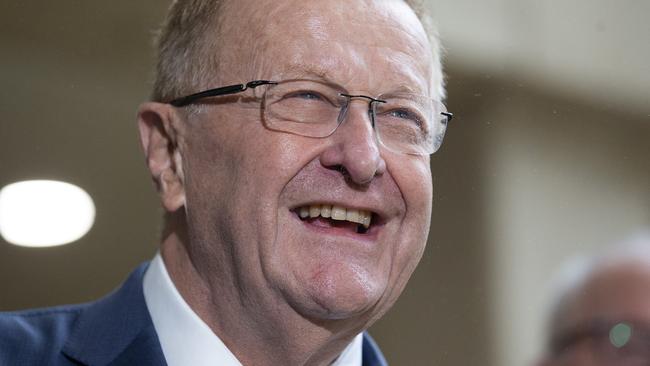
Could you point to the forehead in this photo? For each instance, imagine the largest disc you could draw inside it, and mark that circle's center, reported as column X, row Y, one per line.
column 620, row 292
column 359, row 44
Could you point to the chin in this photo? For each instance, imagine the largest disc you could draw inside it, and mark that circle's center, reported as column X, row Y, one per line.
column 341, row 293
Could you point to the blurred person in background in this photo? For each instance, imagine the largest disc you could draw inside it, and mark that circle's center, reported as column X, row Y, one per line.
column 290, row 145
column 602, row 313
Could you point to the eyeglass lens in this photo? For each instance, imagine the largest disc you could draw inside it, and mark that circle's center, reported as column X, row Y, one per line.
column 404, row 122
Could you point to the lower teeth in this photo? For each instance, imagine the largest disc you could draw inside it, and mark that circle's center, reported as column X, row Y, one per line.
column 360, row 229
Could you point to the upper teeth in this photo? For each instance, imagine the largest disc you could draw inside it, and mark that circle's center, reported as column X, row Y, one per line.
column 339, row 213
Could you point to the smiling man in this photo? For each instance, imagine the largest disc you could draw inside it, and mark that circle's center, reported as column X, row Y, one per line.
column 289, row 142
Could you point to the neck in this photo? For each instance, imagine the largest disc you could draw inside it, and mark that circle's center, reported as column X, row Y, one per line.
column 266, row 332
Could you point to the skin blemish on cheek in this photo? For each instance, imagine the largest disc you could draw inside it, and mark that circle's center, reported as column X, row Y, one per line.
column 318, row 273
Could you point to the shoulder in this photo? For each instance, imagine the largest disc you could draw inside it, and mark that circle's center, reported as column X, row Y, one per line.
column 35, row 337
column 90, row 333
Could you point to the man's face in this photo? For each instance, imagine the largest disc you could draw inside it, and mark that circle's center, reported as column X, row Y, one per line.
column 616, row 299
column 245, row 184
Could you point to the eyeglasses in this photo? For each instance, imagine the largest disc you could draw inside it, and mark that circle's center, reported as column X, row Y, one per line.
column 611, row 343
column 404, row 122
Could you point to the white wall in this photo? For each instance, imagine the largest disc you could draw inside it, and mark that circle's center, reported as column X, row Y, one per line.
column 597, row 50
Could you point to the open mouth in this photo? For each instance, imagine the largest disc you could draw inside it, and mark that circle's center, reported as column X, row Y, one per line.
column 323, row 215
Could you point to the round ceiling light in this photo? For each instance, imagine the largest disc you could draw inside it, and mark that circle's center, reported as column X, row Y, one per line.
column 44, row 213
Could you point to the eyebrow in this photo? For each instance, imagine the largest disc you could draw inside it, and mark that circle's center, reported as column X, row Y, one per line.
column 405, row 89
column 297, row 71
column 302, row 70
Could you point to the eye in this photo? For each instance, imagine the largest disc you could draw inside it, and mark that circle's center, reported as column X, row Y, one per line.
column 307, row 95
column 401, row 113
column 406, row 115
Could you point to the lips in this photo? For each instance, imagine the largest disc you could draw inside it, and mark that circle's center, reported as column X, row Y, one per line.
column 332, row 215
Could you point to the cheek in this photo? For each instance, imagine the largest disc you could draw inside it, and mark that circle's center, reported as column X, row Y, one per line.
column 239, row 154
column 413, row 179
column 236, row 172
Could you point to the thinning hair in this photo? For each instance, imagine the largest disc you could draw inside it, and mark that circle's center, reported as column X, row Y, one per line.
column 186, row 44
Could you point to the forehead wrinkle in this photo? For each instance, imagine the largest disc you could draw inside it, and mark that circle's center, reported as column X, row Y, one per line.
column 246, row 51
column 318, row 61
column 300, row 69
column 412, row 76
column 360, row 61
column 413, row 48
column 366, row 54
column 400, row 23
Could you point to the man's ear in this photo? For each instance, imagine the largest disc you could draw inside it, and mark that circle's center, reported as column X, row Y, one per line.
column 160, row 131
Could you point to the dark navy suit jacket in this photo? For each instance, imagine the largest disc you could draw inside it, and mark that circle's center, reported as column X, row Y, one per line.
column 115, row 330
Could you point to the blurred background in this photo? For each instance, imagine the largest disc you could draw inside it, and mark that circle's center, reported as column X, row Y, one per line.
column 548, row 157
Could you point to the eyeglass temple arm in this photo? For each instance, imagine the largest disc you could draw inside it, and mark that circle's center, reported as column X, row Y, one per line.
column 224, row 90
column 449, row 115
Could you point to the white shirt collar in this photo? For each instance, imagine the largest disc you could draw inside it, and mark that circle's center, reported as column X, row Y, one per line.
column 185, row 339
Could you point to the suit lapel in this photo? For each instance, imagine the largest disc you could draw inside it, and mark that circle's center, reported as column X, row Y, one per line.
column 116, row 330
column 372, row 356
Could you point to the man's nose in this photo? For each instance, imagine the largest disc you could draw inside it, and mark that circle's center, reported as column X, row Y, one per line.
column 355, row 147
